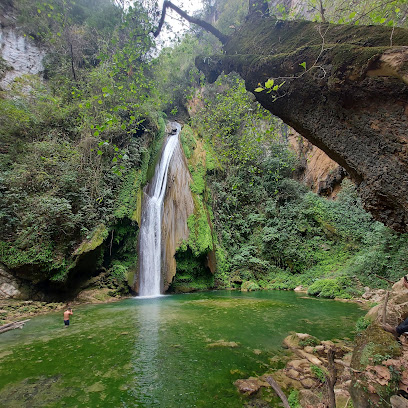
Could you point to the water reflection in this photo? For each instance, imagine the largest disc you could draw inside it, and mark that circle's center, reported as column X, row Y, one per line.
column 146, row 354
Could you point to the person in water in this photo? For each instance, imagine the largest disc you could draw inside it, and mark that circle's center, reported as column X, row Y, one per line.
column 402, row 327
column 67, row 313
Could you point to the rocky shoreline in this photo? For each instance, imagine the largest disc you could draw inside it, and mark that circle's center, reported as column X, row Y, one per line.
column 370, row 372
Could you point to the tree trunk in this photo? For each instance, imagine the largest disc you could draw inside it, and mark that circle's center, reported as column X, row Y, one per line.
column 12, row 326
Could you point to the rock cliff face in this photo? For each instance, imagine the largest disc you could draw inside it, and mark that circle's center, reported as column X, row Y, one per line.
column 317, row 170
column 178, row 206
column 350, row 100
column 20, row 56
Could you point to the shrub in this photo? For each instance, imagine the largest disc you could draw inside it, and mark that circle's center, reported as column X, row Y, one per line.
column 249, row 286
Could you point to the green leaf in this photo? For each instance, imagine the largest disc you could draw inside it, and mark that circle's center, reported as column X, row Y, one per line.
column 352, row 15
column 275, row 88
column 100, row 102
column 114, row 160
column 303, row 64
column 123, row 126
column 269, row 83
column 99, row 152
column 258, row 89
column 96, row 133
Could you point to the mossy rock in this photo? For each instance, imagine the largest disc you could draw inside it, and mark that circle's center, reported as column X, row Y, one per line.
column 372, row 342
column 373, row 346
column 98, row 236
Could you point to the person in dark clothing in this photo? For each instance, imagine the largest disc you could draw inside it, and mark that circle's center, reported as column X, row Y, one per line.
column 402, row 327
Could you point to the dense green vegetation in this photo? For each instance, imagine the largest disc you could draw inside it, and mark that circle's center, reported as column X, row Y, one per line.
column 77, row 148
column 277, row 234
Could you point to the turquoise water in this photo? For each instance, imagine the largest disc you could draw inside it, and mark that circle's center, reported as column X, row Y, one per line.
column 163, row 352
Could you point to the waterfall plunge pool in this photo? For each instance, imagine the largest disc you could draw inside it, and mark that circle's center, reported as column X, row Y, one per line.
column 161, row 352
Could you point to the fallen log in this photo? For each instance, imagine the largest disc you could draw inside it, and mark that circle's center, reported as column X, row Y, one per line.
column 278, row 390
column 12, row 326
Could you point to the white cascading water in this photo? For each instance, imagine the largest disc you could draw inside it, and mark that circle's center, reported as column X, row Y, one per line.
column 150, row 228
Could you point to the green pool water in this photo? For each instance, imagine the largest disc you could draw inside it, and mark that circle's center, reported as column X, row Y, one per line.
column 160, row 352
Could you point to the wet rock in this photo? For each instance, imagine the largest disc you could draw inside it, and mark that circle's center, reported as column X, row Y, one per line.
column 249, row 386
column 222, row 343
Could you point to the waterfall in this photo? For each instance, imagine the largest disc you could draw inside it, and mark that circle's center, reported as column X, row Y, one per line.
column 150, row 227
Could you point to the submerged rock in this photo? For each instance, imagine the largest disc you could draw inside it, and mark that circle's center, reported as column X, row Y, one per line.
column 250, row 386
column 222, row 343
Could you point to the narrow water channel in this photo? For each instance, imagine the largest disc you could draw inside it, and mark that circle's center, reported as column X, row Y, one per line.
column 162, row 352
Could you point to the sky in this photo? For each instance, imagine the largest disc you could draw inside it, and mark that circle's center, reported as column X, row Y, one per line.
column 178, row 24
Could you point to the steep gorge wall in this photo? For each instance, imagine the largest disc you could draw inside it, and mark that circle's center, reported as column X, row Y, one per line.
column 315, row 169
column 20, row 56
column 178, row 206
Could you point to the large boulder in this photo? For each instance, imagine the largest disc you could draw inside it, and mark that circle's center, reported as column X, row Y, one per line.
column 9, row 287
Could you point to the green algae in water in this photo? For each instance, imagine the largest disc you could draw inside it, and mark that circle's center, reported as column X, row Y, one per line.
column 172, row 351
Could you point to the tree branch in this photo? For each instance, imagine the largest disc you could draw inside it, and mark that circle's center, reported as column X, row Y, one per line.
column 278, row 390
column 207, row 26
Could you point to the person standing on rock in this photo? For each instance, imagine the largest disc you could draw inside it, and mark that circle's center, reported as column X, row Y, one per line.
column 67, row 313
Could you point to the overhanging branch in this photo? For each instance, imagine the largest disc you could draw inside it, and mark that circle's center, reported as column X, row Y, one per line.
column 208, row 27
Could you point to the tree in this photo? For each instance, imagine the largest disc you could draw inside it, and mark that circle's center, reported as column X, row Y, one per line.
column 342, row 87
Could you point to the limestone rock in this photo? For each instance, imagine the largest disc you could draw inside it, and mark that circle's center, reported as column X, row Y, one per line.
column 310, row 357
column 9, row 287
column 20, row 54
column 397, row 306
column 397, row 401
column 309, row 382
column 178, row 205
